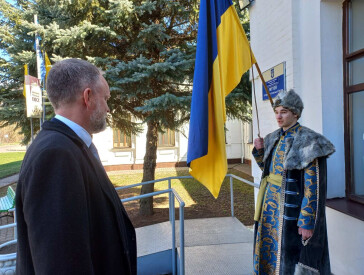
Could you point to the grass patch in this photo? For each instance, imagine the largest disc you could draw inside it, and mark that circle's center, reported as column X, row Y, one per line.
column 10, row 163
column 199, row 201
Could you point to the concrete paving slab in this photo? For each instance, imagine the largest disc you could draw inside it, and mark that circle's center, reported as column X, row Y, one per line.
column 212, row 246
column 199, row 232
column 222, row 259
column 9, row 180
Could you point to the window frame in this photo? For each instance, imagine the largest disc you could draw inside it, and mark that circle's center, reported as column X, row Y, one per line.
column 166, row 131
column 120, row 147
column 348, row 90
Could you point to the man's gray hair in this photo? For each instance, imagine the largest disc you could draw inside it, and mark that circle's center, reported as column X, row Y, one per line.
column 68, row 78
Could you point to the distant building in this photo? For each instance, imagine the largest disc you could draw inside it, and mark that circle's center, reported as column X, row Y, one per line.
column 321, row 43
column 119, row 151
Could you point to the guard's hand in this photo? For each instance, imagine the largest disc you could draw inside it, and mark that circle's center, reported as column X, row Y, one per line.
column 306, row 233
column 259, row 143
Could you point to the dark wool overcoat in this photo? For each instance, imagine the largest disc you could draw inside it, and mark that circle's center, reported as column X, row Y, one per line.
column 294, row 256
column 70, row 218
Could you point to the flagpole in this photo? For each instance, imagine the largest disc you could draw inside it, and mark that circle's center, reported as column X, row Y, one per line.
column 255, row 101
column 265, row 84
column 38, row 62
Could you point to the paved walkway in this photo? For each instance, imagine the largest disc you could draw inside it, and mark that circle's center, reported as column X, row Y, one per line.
column 9, row 180
column 214, row 246
column 12, row 148
column 242, row 167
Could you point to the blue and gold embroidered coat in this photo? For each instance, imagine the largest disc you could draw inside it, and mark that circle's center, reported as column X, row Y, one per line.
column 298, row 158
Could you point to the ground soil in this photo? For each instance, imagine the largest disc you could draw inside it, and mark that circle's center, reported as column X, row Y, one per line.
column 206, row 207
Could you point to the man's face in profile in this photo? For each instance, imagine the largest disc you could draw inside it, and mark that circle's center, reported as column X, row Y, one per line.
column 102, row 95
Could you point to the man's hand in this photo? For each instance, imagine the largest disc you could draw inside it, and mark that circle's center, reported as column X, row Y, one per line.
column 259, row 143
column 306, row 233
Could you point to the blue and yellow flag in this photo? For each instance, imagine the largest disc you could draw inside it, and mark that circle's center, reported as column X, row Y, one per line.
column 223, row 55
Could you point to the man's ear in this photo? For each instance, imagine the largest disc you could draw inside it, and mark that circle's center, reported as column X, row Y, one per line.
column 87, row 94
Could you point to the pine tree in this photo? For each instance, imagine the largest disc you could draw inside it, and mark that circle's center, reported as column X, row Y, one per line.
column 16, row 49
column 146, row 49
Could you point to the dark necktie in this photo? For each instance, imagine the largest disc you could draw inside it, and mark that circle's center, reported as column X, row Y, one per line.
column 94, row 152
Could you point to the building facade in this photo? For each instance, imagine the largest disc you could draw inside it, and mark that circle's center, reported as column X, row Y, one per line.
column 119, row 151
column 321, row 43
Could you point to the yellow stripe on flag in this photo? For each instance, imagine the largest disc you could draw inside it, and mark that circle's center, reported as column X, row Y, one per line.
column 234, row 51
column 48, row 64
column 25, row 73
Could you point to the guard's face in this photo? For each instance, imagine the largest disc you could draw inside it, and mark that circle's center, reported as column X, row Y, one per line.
column 285, row 118
column 98, row 117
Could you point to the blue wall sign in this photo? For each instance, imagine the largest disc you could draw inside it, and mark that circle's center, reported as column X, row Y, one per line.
column 275, row 79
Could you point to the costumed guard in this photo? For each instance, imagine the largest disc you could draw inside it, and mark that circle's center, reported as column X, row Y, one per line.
column 290, row 220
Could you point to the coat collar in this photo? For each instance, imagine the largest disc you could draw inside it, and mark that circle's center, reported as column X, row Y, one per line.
column 301, row 149
column 59, row 126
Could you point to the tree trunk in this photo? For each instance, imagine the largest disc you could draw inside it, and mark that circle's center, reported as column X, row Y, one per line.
column 150, row 160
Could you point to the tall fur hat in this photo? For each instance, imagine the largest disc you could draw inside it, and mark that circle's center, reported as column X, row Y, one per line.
column 289, row 100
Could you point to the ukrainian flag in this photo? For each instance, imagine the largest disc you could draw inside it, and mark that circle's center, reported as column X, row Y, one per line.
column 223, row 55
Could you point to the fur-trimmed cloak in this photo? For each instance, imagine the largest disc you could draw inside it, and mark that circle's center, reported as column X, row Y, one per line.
column 312, row 256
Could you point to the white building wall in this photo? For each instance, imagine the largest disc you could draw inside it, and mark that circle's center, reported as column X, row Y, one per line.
column 332, row 93
column 307, row 55
column 104, row 143
column 135, row 155
column 346, row 242
column 183, row 139
column 247, row 143
column 271, row 40
column 233, row 139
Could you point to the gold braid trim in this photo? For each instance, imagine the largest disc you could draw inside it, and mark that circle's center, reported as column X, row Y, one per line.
column 305, row 242
column 280, row 229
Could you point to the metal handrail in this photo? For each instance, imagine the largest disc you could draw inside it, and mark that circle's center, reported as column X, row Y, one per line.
column 232, row 189
column 172, row 195
column 152, row 181
column 11, row 224
column 231, row 176
column 169, row 179
column 9, row 256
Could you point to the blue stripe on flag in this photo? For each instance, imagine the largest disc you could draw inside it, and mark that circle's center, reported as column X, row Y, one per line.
column 209, row 19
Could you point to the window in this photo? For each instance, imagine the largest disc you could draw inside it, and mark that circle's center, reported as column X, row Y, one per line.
column 353, row 46
column 166, row 139
column 121, row 140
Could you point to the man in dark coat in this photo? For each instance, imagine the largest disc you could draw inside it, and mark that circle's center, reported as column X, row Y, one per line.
column 290, row 228
column 70, row 218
